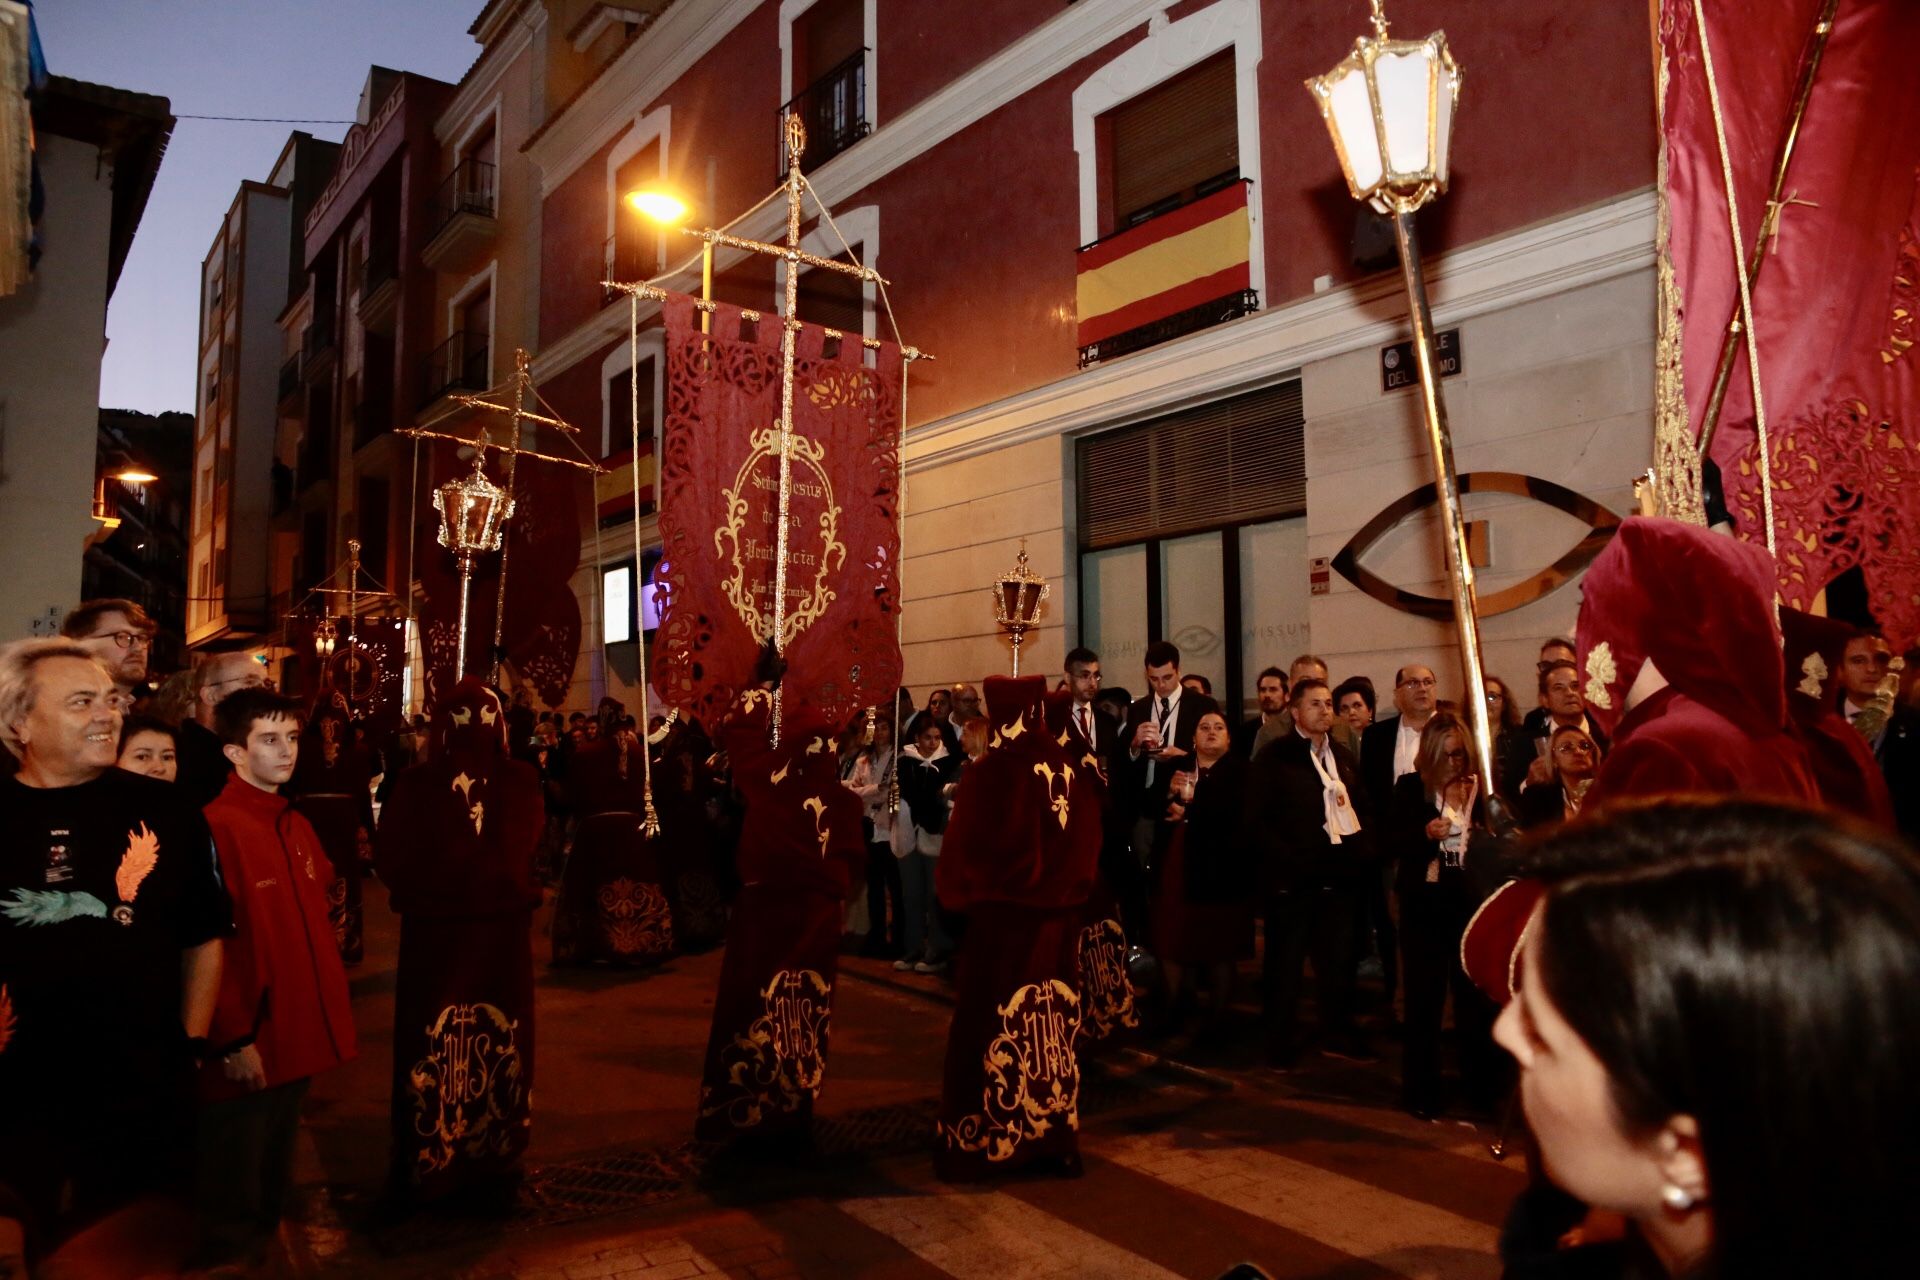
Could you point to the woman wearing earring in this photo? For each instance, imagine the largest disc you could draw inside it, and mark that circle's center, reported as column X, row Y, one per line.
column 1717, row 1030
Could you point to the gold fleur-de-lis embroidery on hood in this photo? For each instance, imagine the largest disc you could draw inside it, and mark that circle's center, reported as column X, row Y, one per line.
column 1600, row 674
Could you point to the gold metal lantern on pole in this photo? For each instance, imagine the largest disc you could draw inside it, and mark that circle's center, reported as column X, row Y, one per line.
column 473, row 517
column 1017, row 597
column 1389, row 106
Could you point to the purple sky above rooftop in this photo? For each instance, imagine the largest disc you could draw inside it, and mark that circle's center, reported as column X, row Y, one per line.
column 302, row 58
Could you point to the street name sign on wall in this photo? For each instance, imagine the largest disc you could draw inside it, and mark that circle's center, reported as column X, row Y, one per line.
column 1397, row 367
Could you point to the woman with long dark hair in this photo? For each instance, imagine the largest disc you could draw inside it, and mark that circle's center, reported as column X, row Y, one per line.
column 1432, row 821
column 1717, row 1022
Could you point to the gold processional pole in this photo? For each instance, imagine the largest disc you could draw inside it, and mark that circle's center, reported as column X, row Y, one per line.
column 1393, row 150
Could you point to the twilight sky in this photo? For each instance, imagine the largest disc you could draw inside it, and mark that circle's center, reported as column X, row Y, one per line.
column 302, row 58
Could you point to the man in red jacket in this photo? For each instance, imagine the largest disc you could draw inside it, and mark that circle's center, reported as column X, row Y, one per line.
column 284, row 984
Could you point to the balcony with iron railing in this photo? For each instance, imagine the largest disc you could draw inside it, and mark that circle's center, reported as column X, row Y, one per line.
column 456, row 365
column 834, row 110
column 319, row 345
column 289, row 379
column 379, row 300
column 628, row 257
column 464, row 218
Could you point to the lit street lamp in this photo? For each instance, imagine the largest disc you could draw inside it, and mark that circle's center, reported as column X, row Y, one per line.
column 1389, row 106
column 669, row 210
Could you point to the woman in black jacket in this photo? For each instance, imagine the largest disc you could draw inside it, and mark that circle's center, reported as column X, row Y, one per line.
column 927, row 773
column 1202, row 911
column 1432, row 821
column 1575, row 759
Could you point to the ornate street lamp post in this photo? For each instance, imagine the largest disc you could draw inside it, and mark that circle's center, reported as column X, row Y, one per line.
column 473, row 516
column 1389, row 107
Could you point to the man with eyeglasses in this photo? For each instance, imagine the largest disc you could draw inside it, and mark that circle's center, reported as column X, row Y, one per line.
column 204, row 766
column 111, row 926
column 1566, row 709
column 1390, row 748
column 119, row 634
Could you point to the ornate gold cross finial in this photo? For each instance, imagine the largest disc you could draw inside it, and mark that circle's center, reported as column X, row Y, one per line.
column 1379, row 20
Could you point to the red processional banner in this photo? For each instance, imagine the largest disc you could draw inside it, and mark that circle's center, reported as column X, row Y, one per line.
column 541, row 632
column 719, row 515
column 1835, row 305
column 368, row 664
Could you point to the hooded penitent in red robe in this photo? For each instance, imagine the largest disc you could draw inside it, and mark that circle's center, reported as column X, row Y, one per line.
column 282, row 980
column 1021, row 852
column 1107, row 1006
column 1700, row 607
column 330, row 788
column 613, row 903
column 801, row 850
column 1843, row 766
column 456, row 847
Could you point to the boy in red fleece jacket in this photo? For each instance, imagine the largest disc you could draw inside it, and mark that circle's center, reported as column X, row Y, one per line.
column 283, row 994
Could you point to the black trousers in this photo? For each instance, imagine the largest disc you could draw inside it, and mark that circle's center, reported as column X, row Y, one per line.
column 1307, row 922
column 1432, row 918
column 885, row 910
column 246, row 1166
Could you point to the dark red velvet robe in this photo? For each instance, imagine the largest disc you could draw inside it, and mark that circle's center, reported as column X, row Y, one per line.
column 613, row 904
column 331, row 789
column 801, row 852
column 1108, row 1010
column 1021, row 852
column 456, row 847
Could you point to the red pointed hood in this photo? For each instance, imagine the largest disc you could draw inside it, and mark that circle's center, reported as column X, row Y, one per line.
column 1700, row 606
column 470, row 722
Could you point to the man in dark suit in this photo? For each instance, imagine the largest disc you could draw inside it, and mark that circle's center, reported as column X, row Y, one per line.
column 1314, row 854
column 1896, row 743
column 1558, row 649
column 1523, row 763
column 1157, row 741
column 1388, row 750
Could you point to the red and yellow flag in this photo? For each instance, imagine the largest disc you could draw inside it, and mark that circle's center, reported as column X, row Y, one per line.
column 1179, row 260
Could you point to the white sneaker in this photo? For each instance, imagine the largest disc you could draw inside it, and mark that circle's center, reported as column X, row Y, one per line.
column 904, row 966
column 923, row 966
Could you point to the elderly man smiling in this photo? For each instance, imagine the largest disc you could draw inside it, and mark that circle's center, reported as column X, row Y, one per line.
column 111, row 921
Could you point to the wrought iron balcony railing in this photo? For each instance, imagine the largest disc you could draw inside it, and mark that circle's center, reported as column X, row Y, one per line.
column 834, row 109
column 458, row 364
column 468, row 189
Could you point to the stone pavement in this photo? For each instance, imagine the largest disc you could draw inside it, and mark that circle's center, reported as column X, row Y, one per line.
column 1195, row 1160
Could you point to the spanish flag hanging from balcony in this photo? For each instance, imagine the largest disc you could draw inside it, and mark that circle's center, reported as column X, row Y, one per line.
column 1182, row 259
column 613, row 489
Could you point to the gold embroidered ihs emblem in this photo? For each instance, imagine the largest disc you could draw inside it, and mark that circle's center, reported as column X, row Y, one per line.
column 1106, row 989
column 781, row 1060
column 467, row 1092
column 1057, row 800
column 636, row 917
column 1032, row 1075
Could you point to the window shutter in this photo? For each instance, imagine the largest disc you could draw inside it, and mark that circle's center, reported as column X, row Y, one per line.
column 1233, row 461
column 1174, row 137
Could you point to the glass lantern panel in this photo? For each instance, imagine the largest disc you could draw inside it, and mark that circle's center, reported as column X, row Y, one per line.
column 1350, row 116
column 1404, row 81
